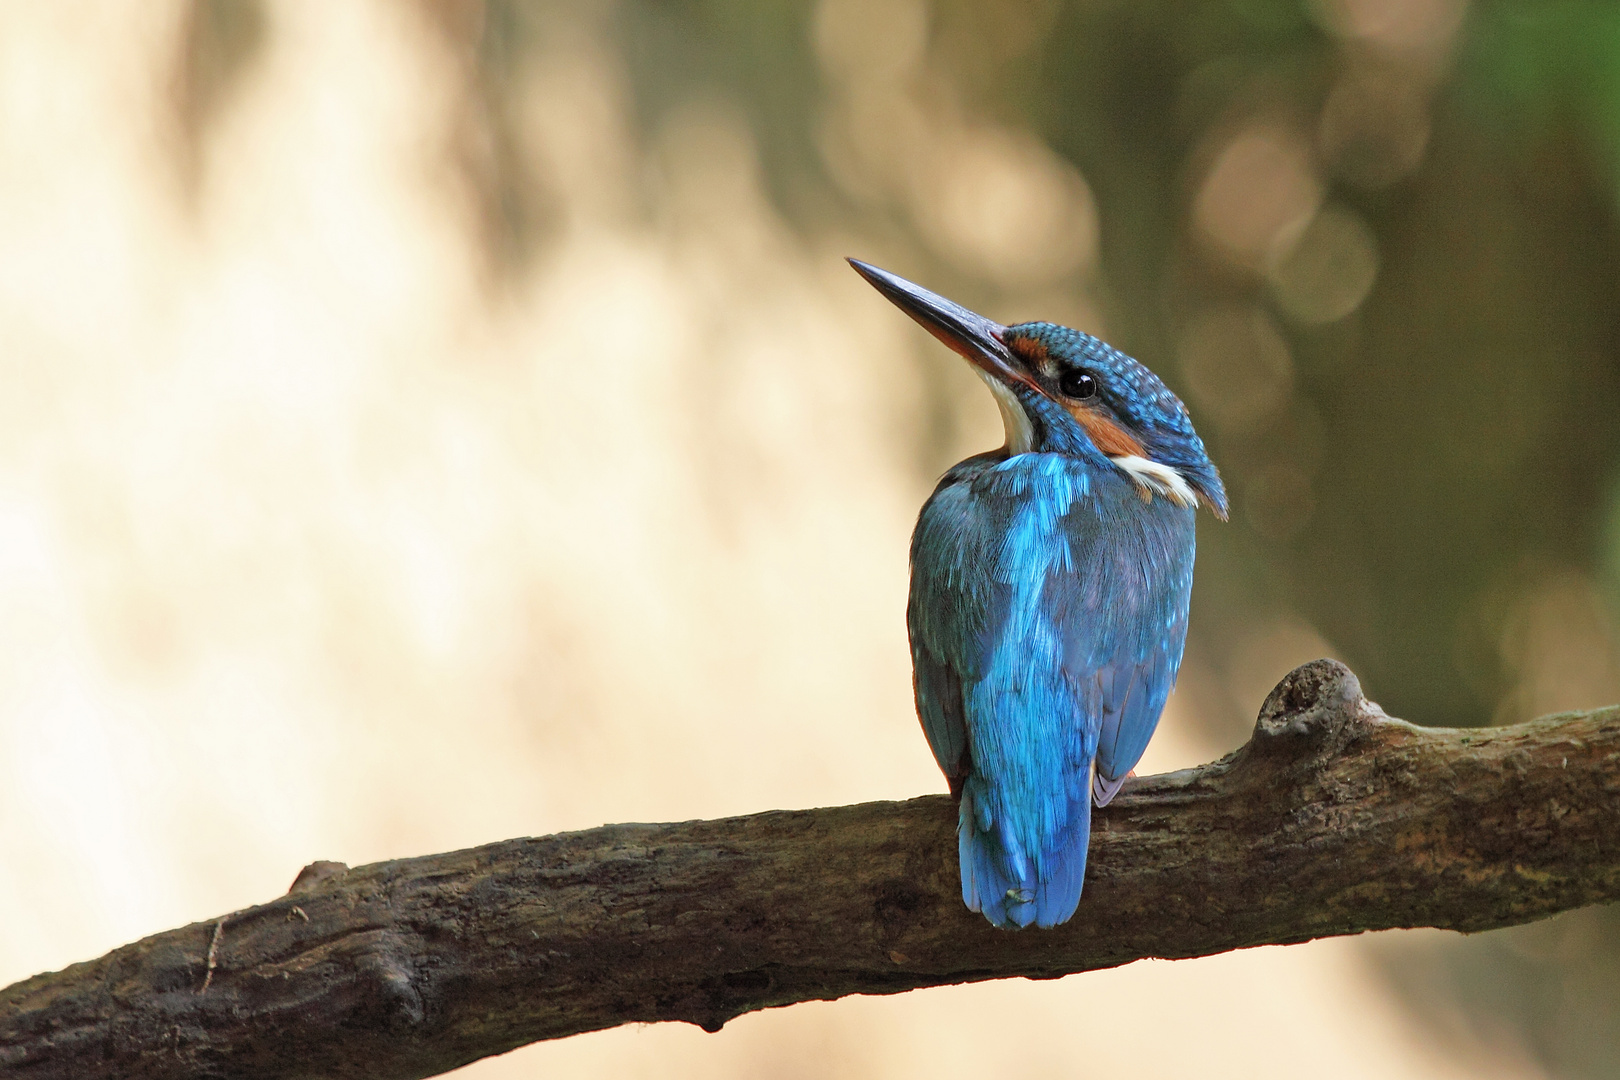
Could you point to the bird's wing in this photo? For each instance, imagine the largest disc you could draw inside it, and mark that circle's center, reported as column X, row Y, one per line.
column 939, row 705
column 955, row 611
column 1122, row 609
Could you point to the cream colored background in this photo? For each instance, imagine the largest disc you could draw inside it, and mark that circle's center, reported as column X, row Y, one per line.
column 320, row 538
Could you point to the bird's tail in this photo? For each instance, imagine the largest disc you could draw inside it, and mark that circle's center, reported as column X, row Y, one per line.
column 1006, row 884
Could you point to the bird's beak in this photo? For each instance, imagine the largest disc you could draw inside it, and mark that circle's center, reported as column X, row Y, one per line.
column 972, row 335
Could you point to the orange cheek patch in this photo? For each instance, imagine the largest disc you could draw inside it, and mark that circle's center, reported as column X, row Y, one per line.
column 1106, row 435
column 1030, row 352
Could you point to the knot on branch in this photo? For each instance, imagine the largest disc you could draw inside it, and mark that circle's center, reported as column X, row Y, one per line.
column 396, row 991
column 316, row 874
column 1313, row 695
column 1318, row 709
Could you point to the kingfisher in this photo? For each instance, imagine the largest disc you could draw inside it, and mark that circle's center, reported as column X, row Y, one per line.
column 1050, row 583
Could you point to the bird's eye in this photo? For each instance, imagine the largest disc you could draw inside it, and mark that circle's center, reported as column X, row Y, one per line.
column 1078, row 384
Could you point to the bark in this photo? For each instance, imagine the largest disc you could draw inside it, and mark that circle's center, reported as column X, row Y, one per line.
column 1333, row 819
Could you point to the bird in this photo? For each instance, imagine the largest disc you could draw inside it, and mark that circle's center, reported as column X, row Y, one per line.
column 1050, row 585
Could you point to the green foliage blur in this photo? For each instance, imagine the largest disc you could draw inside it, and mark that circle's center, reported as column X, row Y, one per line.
column 1458, row 428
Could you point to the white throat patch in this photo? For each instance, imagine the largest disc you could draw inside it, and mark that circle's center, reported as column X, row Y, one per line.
column 1020, row 434
column 1153, row 478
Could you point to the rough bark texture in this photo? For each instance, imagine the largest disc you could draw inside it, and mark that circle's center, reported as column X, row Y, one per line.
column 1333, row 819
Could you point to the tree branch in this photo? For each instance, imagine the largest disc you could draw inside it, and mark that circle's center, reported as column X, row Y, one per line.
column 1333, row 819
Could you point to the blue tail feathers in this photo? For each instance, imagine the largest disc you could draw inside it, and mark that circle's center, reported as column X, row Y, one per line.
column 1013, row 888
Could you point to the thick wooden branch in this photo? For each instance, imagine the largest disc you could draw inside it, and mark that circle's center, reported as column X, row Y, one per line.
column 1333, row 819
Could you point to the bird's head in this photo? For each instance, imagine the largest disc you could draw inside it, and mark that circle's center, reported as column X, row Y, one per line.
column 1061, row 391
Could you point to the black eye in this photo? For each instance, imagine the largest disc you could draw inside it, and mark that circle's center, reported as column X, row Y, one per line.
column 1078, row 384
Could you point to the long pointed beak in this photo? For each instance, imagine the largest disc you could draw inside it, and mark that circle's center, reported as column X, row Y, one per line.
column 966, row 332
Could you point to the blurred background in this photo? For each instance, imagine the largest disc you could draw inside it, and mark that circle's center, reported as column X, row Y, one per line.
column 428, row 423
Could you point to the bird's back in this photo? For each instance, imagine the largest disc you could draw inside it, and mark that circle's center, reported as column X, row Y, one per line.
column 1047, row 616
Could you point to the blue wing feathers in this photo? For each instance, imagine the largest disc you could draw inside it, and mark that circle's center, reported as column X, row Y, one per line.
column 1129, row 722
column 939, row 705
column 1047, row 615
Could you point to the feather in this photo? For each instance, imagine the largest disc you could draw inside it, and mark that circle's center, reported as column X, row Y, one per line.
column 1047, row 616
column 1103, row 790
column 1010, row 889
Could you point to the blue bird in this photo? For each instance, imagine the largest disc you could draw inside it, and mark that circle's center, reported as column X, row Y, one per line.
column 1050, row 581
